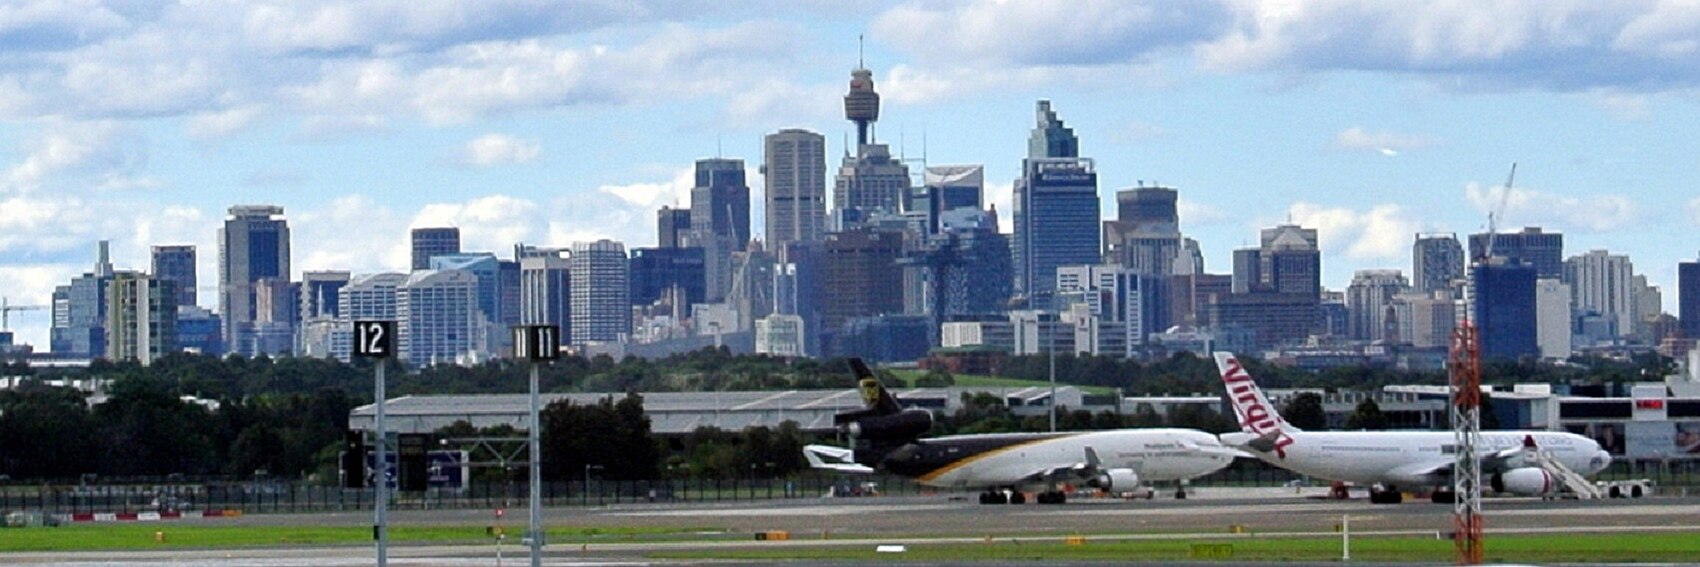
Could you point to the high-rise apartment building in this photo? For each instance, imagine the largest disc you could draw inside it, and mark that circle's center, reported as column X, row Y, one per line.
column 601, row 309
column 437, row 318
column 1056, row 209
column 429, row 242
column 1437, row 260
column 1603, row 283
column 177, row 263
column 1369, row 304
column 794, row 171
column 1553, row 318
column 253, row 245
column 141, row 317
column 1532, row 246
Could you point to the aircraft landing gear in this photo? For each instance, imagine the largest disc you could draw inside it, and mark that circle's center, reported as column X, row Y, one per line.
column 1053, row 497
column 994, row 497
column 1017, row 497
column 1440, row 496
column 1379, row 494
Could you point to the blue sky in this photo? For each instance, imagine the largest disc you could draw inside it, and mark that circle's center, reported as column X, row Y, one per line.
column 550, row 122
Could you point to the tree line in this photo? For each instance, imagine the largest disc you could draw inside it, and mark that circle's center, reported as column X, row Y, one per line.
column 244, row 417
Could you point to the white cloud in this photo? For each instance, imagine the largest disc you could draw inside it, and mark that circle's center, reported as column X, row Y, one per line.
column 672, row 193
column 218, row 124
column 1694, row 211
column 101, row 155
column 1384, row 142
column 1046, row 33
column 1528, row 207
column 498, row 149
column 1195, row 213
column 1381, row 233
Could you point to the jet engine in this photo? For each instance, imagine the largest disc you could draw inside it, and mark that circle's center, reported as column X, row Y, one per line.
column 902, row 426
column 1116, row 480
column 1525, row 481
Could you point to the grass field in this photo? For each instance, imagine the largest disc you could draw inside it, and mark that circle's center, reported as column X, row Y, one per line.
column 116, row 536
column 1569, row 548
column 1564, row 548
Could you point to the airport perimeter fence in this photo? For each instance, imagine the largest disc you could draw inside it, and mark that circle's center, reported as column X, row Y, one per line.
column 1671, row 477
column 280, row 497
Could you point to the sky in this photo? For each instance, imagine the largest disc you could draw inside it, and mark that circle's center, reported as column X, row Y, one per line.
column 547, row 123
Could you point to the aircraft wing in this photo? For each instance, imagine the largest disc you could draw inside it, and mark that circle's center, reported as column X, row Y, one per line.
column 834, row 458
column 1081, row 470
column 1430, row 472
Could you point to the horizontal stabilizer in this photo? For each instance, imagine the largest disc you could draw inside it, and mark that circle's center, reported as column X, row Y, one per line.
column 833, row 458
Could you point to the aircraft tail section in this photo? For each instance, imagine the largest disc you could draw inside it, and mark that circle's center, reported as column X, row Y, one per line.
column 1256, row 415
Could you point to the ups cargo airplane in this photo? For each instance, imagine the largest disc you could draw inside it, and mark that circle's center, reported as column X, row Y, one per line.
column 1528, row 463
column 887, row 437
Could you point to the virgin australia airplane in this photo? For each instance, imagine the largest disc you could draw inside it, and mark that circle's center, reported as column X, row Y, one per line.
column 887, row 437
column 1530, row 463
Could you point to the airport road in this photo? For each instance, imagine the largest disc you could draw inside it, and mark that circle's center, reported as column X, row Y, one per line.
column 1211, row 512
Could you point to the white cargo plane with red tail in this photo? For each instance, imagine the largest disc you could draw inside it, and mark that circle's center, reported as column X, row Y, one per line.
column 1529, row 463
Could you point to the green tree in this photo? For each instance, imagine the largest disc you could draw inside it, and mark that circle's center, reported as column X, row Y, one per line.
column 1305, row 411
column 1367, row 416
column 44, row 433
column 935, row 378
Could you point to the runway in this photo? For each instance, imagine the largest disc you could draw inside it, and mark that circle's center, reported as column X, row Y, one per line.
column 813, row 522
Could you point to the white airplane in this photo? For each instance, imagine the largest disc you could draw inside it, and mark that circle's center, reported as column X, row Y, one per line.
column 1512, row 461
column 887, row 437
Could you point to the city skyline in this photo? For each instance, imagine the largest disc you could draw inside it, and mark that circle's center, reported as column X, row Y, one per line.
column 551, row 125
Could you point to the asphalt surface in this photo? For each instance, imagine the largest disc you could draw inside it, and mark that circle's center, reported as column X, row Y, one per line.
column 819, row 522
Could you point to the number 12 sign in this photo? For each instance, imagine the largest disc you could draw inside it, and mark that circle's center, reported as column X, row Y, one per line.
column 374, row 339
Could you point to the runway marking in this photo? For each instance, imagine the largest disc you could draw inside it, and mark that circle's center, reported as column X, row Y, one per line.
column 828, row 510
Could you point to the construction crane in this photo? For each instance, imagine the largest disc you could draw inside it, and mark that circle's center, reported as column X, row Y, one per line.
column 6, row 309
column 1465, row 370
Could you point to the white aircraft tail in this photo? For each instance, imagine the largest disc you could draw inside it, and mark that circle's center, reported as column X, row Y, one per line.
column 1256, row 415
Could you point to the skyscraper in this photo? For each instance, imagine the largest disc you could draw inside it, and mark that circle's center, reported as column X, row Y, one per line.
column 1436, row 261
column 720, row 220
column 858, row 276
column 1056, row 209
column 601, row 308
column 177, row 263
column 673, row 227
column 1146, row 235
column 1505, row 309
column 428, row 242
column 1543, row 250
column 79, row 310
column 794, row 171
column 1291, row 260
column 655, row 270
column 318, row 310
column 253, row 245
column 966, row 268
column 545, row 290
column 1688, row 298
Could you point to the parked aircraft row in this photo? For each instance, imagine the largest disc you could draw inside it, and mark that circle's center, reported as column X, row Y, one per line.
column 886, row 437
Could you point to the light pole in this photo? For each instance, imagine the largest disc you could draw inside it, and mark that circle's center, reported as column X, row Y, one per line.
column 586, row 492
column 537, row 343
column 1051, row 350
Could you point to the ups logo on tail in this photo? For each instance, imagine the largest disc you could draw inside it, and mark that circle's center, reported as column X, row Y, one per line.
column 870, row 391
